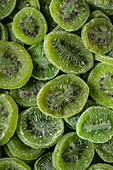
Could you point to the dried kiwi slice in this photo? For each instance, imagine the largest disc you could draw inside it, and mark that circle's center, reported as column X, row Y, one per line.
column 13, row 164
column 38, row 130
column 44, row 162
column 3, row 32
column 15, row 65
column 97, row 35
column 26, row 96
column 98, row 14
column 72, row 152
column 8, row 117
column 63, row 96
column 100, row 166
column 96, row 124
column 70, row 14
column 100, row 82
column 27, row 3
column 22, row 151
column 29, row 26
column 6, row 7
column 42, row 68
column 67, row 52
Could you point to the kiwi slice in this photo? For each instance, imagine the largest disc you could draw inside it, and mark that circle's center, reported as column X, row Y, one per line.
column 38, row 130
column 15, row 65
column 27, row 3
column 96, row 124
column 29, row 26
column 97, row 35
column 72, row 152
column 44, row 162
column 13, row 164
column 105, row 6
column 8, row 117
column 100, row 166
column 63, row 96
column 3, row 32
column 6, row 7
column 42, row 68
column 98, row 14
column 70, row 14
column 67, row 52
column 26, row 96
column 11, row 36
column 100, row 82
column 105, row 150
column 71, row 121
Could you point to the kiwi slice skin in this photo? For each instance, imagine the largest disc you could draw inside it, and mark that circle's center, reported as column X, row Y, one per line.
column 69, row 153
column 38, row 130
column 62, row 94
column 96, row 124
column 13, row 163
column 42, row 68
column 44, row 162
column 9, row 118
column 3, row 32
column 97, row 35
column 100, row 84
column 67, row 52
column 100, row 166
column 29, row 26
column 16, row 67
column 71, row 20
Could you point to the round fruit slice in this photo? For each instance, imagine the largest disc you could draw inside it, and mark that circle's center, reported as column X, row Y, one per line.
column 3, row 32
column 100, row 166
column 8, row 117
column 63, row 96
column 70, row 14
column 13, row 163
column 44, row 162
column 42, row 68
column 38, row 130
column 96, row 124
column 100, row 82
column 98, row 14
column 105, row 150
column 67, row 52
column 22, row 151
column 26, row 96
column 29, row 26
column 15, row 65
column 6, row 7
column 72, row 152
column 97, row 35
column 27, row 3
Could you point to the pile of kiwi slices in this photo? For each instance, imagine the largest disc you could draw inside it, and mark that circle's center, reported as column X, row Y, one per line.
column 56, row 85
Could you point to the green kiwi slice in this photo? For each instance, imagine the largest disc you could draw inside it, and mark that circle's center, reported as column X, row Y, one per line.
column 8, row 117
column 105, row 150
column 98, row 14
column 26, row 96
column 71, row 121
column 105, row 6
column 22, row 151
column 27, row 3
column 29, row 26
column 100, row 82
column 38, row 130
column 67, row 52
column 72, row 152
column 13, row 164
column 97, row 35
column 3, row 32
column 100, row 166
column 96, row 124
column 44, row 162
column 6, row 7
column 42, row 68
column 11, row 36
column 15, row 65
column 70, row 14
column 63, row 96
